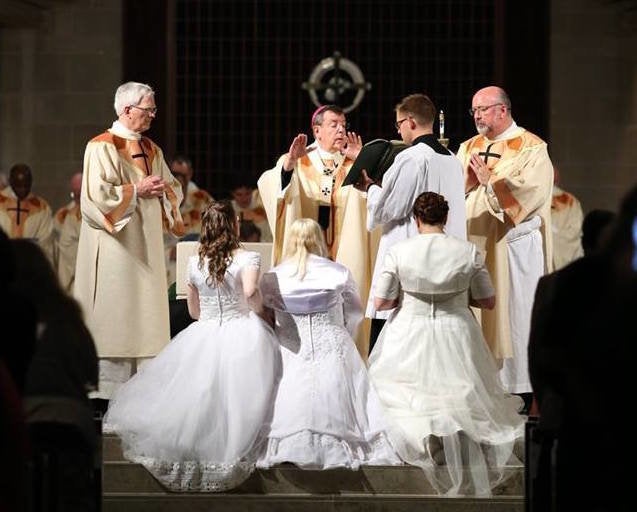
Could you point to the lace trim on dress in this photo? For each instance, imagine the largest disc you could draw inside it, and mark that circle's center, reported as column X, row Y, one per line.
column 310, row 450
column 195, row 475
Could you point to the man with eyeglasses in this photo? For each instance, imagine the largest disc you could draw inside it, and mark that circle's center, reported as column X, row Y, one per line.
column 424, row 166
column 508, row 187
column 127, row 193
column 306, row 182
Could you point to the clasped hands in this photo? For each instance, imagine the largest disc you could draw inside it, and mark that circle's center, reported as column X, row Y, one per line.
column 298, row 148
column 151, row 186
column 479, row 171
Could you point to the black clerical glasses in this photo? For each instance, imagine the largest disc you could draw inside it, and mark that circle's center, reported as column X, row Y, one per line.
column 148, row 110
column 399, row 122
column 482, row 110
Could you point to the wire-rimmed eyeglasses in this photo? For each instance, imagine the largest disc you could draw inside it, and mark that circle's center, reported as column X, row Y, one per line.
column 482, row 110
column 148, row 110
column 399, row 122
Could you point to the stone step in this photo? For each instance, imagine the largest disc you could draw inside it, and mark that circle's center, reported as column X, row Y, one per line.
column 230, row 502
column 128, row 477
column 129, row 487
column 121, row 477
column 112, row 449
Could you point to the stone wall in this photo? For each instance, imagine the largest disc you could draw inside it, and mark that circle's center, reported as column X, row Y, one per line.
column 57, row 82
column 593, row 118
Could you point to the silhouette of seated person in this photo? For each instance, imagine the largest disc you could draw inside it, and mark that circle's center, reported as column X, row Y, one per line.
column 19, row 319
column 15, row 353
column 59, row 415
column 581, row 366
column 595, row 228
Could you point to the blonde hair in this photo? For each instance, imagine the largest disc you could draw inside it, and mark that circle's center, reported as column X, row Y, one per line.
column 306, row 237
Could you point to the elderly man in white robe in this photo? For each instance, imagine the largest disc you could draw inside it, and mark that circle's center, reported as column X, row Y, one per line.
column 128, row 192
column 508, row 185
column 425, row 166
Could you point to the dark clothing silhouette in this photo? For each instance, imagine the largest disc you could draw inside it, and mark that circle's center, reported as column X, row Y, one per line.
column 582, row 338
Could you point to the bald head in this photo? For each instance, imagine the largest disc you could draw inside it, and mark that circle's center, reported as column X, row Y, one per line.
column 21, row 180
column 75, row 184
column 491, row 109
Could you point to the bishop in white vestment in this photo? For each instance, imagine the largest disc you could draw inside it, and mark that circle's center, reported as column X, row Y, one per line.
column 306, row 182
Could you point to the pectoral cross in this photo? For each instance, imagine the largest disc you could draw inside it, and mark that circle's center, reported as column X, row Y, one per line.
column 486, row 154
column 135, row 144
column 328, row 167
column 17, row 210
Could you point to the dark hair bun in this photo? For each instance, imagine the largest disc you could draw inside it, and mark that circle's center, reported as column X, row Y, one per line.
column 431, row 208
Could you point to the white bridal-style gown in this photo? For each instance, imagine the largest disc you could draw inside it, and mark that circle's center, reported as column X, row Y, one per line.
column 326, row 414
column 194, row 415
column 434, row 372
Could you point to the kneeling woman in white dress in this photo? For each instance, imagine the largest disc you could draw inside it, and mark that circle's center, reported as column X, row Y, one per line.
column 194, row 415
column 431, row 365
column 326, row 414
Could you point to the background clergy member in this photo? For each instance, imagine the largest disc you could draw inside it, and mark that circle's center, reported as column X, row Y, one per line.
column 24, row 214
column 67, row 222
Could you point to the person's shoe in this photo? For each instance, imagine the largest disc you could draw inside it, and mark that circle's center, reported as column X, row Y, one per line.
column 518, row 450
column 435, row 450
column 100, row 406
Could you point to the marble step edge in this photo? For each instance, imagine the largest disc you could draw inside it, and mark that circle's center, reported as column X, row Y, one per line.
column 126, row 477
column 112, row 450
column 201, row 496
column 291, row 468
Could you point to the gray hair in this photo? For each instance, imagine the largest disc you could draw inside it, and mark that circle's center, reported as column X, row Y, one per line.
column 131, row 93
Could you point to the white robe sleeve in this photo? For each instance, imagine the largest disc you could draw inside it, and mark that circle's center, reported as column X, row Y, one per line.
column 388, row 284
column 107, row 202
column 394, row 200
